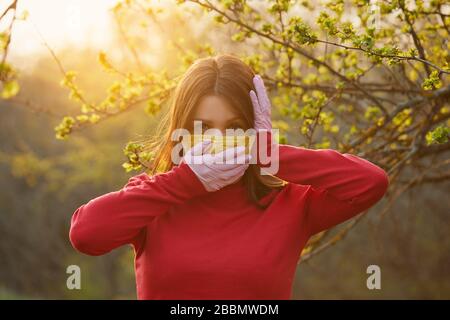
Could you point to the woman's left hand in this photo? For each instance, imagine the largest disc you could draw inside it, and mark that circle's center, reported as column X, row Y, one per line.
column 262, row 110
column 261, row 105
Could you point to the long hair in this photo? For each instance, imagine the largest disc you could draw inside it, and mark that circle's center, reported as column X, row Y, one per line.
column 224, row 75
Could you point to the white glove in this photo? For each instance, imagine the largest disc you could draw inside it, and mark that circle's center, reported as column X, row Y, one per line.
column 219, row 170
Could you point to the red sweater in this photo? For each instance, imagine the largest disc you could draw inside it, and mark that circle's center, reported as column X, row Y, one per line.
column 194, row 244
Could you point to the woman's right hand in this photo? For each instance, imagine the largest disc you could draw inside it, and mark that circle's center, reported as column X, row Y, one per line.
column 218, row 170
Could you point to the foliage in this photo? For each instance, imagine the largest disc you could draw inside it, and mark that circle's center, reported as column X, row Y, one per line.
column 340, row 75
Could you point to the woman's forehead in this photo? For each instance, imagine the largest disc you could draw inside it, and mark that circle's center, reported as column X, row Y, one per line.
column 215, row 108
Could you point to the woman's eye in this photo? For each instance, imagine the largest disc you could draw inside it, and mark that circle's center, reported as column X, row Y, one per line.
column 235, row 126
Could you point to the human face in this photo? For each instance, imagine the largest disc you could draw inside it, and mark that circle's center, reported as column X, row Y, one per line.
column 216, row 113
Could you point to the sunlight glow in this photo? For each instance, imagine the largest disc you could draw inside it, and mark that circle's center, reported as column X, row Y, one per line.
column 60, row 23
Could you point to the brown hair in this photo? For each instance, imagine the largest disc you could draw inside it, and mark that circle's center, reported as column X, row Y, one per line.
column 224, row 75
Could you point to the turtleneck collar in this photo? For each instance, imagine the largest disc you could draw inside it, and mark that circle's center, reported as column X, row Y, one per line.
column 231, row 193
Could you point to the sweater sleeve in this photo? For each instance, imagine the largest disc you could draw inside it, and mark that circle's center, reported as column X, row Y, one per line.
column 116, row 218
column 341, row 185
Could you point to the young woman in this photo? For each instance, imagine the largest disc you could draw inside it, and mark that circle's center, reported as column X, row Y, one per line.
column 224, row 231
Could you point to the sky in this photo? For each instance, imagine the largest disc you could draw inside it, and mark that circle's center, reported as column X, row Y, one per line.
column 59, row 22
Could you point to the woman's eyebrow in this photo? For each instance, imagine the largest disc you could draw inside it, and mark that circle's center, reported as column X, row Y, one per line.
column 202, row 120
column 233, row 119
column 209, row 121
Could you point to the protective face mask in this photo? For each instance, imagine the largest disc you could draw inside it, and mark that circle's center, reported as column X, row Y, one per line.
column 220, row 142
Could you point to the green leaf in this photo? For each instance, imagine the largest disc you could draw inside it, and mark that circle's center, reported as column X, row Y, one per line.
column 432, row 82
column 10, row 89
column 438, row 135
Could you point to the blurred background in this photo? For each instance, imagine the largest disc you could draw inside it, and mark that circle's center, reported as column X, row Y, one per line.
column 82, row 82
